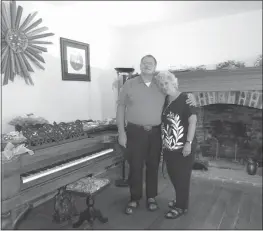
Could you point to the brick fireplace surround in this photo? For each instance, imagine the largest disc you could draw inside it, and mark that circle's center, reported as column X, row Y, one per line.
column 232, row 121
column 230, row 110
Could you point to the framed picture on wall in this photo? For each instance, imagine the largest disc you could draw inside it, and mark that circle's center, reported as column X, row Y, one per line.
column 75, row 60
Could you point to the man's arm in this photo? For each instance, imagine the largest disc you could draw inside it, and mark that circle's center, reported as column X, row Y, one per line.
column 120, row 118
column 191, row 100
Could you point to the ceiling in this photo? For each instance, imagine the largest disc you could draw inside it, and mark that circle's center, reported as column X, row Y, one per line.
column 129, row 13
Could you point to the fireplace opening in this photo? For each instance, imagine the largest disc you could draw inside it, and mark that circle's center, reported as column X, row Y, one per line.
column 230, row 132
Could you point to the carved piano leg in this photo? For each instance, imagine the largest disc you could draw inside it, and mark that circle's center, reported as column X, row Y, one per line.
column 64, row 207
column 12, row 219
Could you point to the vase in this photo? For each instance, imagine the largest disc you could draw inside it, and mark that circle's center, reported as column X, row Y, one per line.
column 252, row 167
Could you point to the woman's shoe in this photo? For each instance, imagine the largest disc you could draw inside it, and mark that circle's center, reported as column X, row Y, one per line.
column 175, row 213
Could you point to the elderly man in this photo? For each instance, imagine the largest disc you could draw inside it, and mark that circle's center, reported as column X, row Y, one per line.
column 140, row 104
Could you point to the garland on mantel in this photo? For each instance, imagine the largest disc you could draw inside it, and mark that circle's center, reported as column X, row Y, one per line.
column 229, row 64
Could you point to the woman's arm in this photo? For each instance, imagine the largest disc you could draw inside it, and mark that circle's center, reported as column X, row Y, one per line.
column 190, row 134
column 191, row 128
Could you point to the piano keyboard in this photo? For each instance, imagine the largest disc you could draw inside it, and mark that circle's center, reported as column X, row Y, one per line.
column 58, row 168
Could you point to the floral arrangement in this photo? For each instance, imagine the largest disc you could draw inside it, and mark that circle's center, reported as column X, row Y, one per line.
column 186, row 68
column 96, row 123
column 14, row 137
column 230, row 64
column 29, row 119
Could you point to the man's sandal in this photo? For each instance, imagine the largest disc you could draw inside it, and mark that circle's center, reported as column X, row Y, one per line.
column 151, row 204
column 131, row 206
column 175, row 213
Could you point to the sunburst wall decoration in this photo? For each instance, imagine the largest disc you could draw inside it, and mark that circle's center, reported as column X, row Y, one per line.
column 20, row 44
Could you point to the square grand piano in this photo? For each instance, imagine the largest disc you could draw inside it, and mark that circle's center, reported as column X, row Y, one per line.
column 63, row 153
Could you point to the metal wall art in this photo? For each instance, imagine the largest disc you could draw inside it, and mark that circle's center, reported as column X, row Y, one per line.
column 19, row 43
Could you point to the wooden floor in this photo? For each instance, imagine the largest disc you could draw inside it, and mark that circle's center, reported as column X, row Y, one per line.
column 213, row 205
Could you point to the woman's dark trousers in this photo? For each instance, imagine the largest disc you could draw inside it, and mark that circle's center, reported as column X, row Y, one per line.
column 179, row 169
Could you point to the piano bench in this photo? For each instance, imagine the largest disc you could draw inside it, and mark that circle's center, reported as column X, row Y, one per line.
column 89, row 187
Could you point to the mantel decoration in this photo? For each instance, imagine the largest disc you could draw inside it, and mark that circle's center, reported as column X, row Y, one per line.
column 230, row 64
column 75, row 60
column 258, row 62
column 19, row 43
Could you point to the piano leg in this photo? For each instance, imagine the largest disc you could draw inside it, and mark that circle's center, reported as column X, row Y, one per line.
column 12, row 219
column 64, row 207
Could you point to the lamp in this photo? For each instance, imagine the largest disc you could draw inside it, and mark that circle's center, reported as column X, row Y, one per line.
column 123, row 75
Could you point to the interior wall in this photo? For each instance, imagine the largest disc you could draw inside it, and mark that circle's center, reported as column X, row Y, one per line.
column 58, row 100
column 201, row 42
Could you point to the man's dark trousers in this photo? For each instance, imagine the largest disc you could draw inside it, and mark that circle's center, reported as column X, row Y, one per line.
column 143, row 147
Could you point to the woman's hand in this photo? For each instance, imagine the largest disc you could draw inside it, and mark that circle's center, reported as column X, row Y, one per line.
column 186, row 149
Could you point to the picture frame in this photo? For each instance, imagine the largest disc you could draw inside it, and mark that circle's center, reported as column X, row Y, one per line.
column 75, row 60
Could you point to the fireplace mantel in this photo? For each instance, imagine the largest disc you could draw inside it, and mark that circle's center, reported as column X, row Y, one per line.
column 230, row 89
column 242, row 79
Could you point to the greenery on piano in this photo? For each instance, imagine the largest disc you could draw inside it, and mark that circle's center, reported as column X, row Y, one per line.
column 27, row 120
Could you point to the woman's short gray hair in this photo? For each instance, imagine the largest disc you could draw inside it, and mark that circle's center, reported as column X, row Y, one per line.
column 166, row 77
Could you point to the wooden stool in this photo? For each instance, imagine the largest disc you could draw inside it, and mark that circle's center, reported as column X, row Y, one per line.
column 89, row 187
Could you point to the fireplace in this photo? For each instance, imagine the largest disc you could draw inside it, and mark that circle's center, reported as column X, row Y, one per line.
column 230, row 131
column 230, row 124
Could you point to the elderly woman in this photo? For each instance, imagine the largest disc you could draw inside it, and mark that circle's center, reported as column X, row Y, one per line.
column 178, row 138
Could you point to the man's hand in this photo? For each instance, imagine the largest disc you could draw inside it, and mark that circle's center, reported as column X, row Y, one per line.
column 122, row 139
column 191, row 100
column 186, row 149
